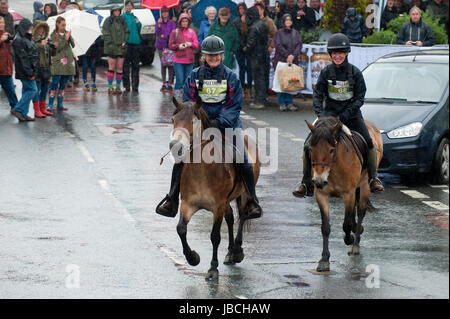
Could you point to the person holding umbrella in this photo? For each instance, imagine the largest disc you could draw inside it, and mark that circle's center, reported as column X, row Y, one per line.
column 63, row 63
column 115, row 34
column 164, row 28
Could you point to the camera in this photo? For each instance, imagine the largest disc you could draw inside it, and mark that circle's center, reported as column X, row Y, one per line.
column 10, row 38
column 414, row 42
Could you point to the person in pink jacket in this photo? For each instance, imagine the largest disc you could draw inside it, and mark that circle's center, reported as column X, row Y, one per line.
column 183, row 41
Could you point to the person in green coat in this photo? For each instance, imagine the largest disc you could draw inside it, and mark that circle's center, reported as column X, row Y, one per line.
column 225, row 29
column 115, row 37
column 63, row 62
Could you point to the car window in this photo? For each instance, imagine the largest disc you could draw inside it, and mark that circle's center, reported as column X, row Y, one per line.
column 406, row 81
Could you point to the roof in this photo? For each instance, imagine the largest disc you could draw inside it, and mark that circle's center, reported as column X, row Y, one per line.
column 428, row 56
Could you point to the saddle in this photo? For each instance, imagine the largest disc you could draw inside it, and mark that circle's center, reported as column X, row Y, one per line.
column 358, row 142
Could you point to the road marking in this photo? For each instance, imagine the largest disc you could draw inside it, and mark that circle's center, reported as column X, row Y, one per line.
column 287, row 135
column 104, row 184
column 261, row 123
column 248, row 117
column 438, row 186
column 243, row 113
column 240, row 297
column 298, row 140
column 172, row 256
column 414, row 194
column 85, row 152
column 445, row 191
column 436, row 205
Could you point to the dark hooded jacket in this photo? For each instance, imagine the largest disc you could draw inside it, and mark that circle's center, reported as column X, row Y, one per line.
column 38, row 15
column 387, row 16
column 306, row 22
column 115, row 32
column 258, row 36
column 355, row 29
column 53, row 10
column 241, row 27
column 420, row 31
column 25, row 52
column 287, row 42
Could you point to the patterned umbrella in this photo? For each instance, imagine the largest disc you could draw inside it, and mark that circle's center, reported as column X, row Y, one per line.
column 157, row 4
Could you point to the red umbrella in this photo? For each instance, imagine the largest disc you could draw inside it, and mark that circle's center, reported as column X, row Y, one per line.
column 157, row 4
column 16, row 16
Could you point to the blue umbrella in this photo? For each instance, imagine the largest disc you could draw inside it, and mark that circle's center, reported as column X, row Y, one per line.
column 198, row 11
column 99, row 17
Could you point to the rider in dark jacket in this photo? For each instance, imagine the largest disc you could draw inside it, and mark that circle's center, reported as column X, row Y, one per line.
column 343, row 88
column 221, row 94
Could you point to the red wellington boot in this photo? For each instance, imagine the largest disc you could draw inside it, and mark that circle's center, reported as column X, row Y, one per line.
column 43, row 108
column 37, row 111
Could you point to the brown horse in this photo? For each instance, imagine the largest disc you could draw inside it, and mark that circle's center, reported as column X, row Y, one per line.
column 338, row 172
column 210, row 186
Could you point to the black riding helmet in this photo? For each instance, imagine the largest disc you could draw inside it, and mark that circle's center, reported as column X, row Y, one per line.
column 338, row 43
column 213, row 45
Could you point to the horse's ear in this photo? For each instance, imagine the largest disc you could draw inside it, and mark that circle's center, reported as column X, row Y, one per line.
column 176, row 103
column 311, row 127
column 335, row 128
column 198, row 103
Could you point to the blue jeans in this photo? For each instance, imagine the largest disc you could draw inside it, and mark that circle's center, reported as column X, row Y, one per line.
column 89, row 62
column 42, row 87
column 59, row 82
column 29, row 90
column 285, row 99
column 7, row 84
column 182, row 71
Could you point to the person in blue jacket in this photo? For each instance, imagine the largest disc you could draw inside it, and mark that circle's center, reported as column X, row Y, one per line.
column 210, row 13
column 223, row 105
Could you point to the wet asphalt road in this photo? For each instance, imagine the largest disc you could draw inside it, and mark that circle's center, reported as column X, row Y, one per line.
column 78, row 193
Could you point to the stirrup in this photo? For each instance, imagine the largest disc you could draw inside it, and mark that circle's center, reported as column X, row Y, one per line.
column 163, row 212
column 256, row 214
column 309, row 191
column 379, row 188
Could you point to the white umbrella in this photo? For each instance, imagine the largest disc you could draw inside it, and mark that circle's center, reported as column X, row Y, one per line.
column 84, row 27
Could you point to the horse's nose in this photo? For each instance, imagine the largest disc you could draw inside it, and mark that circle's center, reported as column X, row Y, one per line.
column 320, row 183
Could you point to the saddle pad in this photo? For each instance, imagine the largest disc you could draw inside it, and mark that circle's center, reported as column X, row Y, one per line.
column 361, row 144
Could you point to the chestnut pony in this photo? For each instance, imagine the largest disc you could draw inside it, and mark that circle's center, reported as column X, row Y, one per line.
column 337, row 172
column 210, row 186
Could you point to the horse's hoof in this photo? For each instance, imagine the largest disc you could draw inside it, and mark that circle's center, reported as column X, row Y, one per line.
column 213, row 274
column 238, row 256
column 228, row 259
column 349, row 240
column 355, row 250
column 193, row 259
column 323, row 266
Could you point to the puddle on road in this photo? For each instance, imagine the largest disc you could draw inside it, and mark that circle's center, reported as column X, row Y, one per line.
column 130, row 128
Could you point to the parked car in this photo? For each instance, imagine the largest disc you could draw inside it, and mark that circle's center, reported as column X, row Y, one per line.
column 145, row 16
column 407, row 98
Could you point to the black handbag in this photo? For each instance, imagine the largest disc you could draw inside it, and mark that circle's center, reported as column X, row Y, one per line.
column 44, row 73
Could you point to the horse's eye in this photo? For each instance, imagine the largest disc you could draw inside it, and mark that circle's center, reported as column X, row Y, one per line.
column 173, row 120
column 332, row 151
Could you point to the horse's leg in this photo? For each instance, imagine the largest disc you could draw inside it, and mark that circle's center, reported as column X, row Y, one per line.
column 349, row 204
column 213, row 273
column 191, row 256
column 324, row 205
column 229, row 218
column 362, row 208
column 238, row 252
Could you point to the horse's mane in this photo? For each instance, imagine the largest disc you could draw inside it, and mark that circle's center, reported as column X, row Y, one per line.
column 191, row 109
column 323, row 130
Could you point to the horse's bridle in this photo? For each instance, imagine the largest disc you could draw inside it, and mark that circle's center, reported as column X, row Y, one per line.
column 329, row 164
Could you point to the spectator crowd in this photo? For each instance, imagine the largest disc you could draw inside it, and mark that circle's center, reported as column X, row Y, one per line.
column 258, row 36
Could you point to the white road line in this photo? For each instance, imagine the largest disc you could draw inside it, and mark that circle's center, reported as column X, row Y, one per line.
column 438, row 186
column 445, row 190
column 248, row 117
column 240, row 297
column 104, row 184
column 436, row 205
column 85, row 152
column 298, row 140
column 242, row 113
column 261, row 123
column 287, row 135
column 172, row 255
column 414, row 194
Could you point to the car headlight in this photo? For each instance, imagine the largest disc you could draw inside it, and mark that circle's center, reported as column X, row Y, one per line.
column 410, row 130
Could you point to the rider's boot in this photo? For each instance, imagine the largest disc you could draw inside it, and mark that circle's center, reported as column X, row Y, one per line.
column 372, row 165
column 169, row 205
column 253, row 208
column 305, row 187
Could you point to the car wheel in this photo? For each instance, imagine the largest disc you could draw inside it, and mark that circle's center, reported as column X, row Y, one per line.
column 441, row 162
column 148, row 57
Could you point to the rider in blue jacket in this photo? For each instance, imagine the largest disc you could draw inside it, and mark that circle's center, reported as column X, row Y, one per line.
column 221, row 94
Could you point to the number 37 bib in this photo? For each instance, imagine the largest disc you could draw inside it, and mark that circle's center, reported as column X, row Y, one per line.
column 213, row 92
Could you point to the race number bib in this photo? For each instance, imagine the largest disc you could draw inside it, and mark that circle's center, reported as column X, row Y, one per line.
column 341, row 91
column 213, row 92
